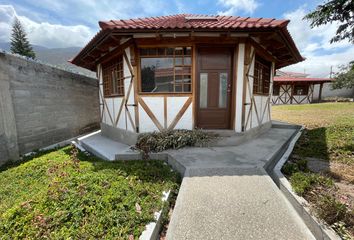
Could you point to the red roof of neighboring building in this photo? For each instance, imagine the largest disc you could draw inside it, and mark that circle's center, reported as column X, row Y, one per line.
column 192, row 21
column 300, row 79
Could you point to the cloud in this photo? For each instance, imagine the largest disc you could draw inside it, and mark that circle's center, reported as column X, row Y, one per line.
column 235, row 6
column 43, row 33
column 314, row 45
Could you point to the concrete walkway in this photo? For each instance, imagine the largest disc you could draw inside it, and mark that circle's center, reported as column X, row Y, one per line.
column 227, row 194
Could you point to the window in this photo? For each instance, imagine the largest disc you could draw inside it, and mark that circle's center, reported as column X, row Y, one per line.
column 165, row 70
column 261, row 80
column 276, row 90
column 301, row 89
column 113, row 78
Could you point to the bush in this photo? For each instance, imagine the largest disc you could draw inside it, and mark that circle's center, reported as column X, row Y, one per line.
column 174, row 139
column 304, row 182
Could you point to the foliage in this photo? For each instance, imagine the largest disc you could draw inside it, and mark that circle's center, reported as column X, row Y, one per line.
column 19, row 42
column 290, row 168
column 173, row 139
column 304, row 182
column 68, row 195
column 335, row 11
column 344, row 78
column 330, row 210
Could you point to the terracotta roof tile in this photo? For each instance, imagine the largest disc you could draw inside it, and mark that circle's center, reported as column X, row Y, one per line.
column 194, row 21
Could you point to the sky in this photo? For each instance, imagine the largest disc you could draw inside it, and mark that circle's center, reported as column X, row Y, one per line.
column 67, row 23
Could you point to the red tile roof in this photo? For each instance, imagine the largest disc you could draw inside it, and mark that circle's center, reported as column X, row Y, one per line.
column 300, row 79
column 192, row 21
column 189, row 22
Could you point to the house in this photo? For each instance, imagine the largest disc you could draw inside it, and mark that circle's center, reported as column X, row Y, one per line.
column 186, row 71
column 296, row 88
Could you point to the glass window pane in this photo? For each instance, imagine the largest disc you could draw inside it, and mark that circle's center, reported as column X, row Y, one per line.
column 187, row 79
column 222, row 90
column 178, row 61
column 187, row 88
column 179, row 51
column 178, row 88
column 152, row 51
column 161, row 51
column 187, row 61
column 169, row 51
column 203, row 98
column 157, row 74
column 187, row 51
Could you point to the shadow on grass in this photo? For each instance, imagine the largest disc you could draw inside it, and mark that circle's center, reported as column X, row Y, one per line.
column 313, row 147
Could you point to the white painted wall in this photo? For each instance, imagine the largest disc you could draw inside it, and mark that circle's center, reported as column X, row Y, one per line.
column 111, row 106
column 328, row 92
column 261, row 106
column 174, row 105
column 239, row 86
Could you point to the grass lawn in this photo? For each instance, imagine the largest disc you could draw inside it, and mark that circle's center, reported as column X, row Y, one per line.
column 321, row 167
column 64, row 194
column 329, row 133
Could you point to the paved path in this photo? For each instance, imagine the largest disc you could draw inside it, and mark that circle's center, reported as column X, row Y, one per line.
column 227, row 194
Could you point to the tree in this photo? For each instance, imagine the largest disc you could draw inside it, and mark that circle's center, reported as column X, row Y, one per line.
column 335, row 11
column 345, row 77
column 19, row 42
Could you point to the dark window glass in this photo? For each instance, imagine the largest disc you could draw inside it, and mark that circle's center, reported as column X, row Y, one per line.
column 301, row 89
column 261, row 78
column 113, row 77
column 168, row 71
column 276, row 90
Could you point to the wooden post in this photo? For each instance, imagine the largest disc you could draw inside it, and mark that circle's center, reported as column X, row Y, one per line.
column 320, row 93
column 292, row 89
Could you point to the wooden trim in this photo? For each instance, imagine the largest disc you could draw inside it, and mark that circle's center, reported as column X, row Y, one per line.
column 234, row 87
column 244, row 94
column 120, row 111
column 194, row 85
column 150, row 114
column 165, row 111
column 134, row 49
column 162, row 94
column 180, row 113
column 117, row 51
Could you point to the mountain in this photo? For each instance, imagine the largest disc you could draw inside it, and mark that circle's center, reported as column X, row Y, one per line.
column 55, row 56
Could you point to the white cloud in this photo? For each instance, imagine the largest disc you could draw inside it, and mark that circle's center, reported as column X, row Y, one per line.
column 235, row 6
column 314, row 45
column 43, row 33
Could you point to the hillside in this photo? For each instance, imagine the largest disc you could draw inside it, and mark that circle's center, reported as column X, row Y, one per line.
column 55, row 56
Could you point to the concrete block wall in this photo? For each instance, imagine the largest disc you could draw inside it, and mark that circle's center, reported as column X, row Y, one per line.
column 42, row 105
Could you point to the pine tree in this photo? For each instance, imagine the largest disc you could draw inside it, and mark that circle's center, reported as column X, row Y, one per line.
column 19, row 42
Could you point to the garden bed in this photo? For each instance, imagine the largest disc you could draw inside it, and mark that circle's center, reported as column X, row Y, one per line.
column 65, row 194
column 321, row 167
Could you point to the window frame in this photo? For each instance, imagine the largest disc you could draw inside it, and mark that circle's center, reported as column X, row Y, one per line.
column 174, row 56
column 265, row 64
column 116, row 67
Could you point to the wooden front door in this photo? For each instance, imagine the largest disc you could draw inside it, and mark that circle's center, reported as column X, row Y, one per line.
column 213, row 88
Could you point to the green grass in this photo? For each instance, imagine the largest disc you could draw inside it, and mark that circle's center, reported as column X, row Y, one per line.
column 60, row 195
column 303, row 182
column 329, row 133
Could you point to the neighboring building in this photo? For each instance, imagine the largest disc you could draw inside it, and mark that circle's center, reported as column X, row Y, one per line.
column 296, row 88
column 186, row 71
